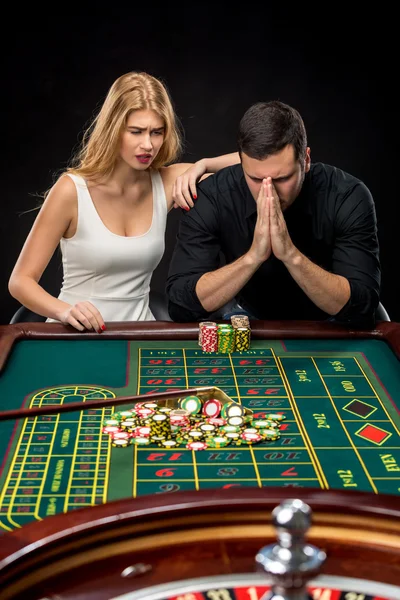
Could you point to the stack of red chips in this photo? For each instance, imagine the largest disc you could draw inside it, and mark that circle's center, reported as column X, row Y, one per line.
column 209, row 338
column 179, row 418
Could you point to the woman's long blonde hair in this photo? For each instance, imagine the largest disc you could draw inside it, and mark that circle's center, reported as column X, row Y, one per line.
column 101, row 141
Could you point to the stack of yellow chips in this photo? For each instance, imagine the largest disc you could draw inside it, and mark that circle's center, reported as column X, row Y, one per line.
column 241, row 324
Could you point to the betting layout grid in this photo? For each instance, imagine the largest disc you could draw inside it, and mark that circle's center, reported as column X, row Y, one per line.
column 196, row 426
column 327, row 431
column 18, row 497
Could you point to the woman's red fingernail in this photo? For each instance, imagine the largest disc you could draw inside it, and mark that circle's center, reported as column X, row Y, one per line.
column 195, row 197
column 103, row 327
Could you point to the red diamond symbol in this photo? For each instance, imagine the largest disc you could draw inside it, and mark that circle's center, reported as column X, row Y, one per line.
column 373, row 434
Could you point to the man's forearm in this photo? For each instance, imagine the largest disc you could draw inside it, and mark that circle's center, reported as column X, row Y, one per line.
column 328, row 291
column 216, row 288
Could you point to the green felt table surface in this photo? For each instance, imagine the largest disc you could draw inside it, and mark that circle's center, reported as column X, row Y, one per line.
column 339, row 398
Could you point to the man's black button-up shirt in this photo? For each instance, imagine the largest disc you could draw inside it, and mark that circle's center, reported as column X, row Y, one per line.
column 332, row 222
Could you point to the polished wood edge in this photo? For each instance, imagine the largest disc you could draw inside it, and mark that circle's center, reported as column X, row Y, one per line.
column 51, row 565
column 58, row 530
column 165, row 330
column 9, row 334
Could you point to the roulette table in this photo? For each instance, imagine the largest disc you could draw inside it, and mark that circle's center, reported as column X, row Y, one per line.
column 66, row 495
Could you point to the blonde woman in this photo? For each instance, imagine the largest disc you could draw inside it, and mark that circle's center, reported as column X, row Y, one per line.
column 108, row 211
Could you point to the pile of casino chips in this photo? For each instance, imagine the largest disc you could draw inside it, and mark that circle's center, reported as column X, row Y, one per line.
column 225, row 338
column 195, row 424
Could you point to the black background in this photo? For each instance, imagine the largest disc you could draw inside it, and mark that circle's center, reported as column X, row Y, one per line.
column 339, row 70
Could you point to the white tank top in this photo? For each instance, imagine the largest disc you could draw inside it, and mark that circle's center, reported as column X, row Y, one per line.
column 111, row 271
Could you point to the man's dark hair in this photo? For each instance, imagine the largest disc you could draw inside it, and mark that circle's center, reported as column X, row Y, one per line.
column 267, row 127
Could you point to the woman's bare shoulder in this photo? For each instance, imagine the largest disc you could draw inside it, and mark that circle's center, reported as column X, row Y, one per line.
column 63, row 191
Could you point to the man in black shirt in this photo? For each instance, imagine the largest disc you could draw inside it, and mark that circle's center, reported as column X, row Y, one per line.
column 299, row 239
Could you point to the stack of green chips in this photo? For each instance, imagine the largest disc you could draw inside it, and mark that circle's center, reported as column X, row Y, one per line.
column 226, row 338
